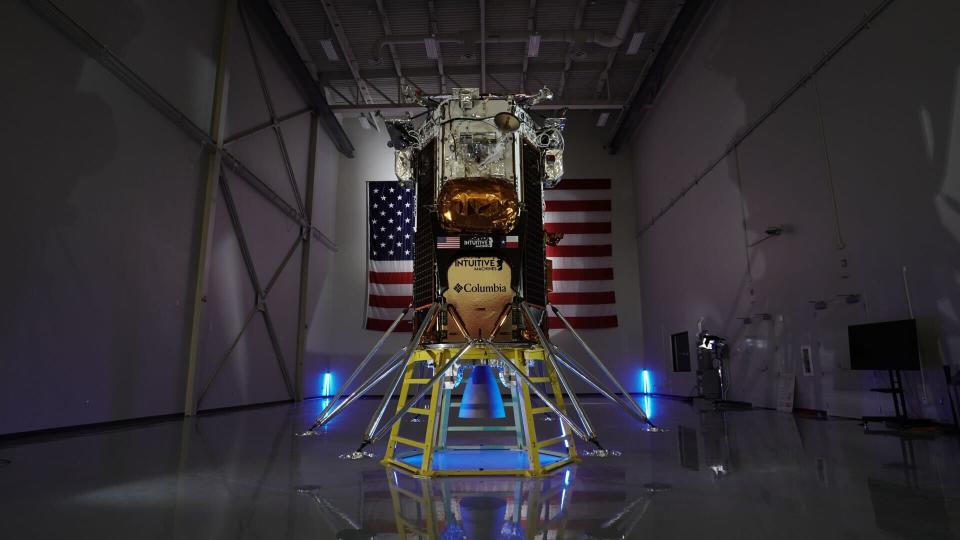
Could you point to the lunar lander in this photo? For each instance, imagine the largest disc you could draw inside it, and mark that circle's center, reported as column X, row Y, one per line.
column 479, row 164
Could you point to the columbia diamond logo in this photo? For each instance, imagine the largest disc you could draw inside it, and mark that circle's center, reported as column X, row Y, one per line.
column 458, row 287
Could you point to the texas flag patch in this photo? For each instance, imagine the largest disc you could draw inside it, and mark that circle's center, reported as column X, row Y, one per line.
column 511, row 242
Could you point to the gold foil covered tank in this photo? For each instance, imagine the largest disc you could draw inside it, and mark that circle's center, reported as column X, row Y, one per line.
column 478, row 205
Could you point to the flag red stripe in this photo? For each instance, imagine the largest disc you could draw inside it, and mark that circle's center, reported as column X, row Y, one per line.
column 568, row 298
column 578, row 206
column 579, row 228
column 378, row 300
column 383, row 324
column 391, row 278
column 582, row 274
column 586, row 183
column 601, row 250
column 606, row 321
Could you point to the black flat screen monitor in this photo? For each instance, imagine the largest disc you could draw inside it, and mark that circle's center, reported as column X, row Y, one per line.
column 884, row 345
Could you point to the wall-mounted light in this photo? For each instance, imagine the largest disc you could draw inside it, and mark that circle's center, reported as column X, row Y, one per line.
column 602, row 119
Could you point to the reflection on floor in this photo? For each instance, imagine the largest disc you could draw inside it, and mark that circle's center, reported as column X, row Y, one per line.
column 743, row 474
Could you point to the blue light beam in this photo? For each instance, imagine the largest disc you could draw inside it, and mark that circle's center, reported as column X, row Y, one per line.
column 326, row 387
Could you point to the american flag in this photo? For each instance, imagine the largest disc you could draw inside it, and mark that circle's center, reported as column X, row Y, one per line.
column 391, row 211
column 582, row 263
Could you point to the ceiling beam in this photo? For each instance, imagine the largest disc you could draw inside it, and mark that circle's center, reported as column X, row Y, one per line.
column 688, row 18
column 413, row 109
column 483, row 46
column 312, row 92
column 495, row 69
column 362, row 89
column 531, row 25
column 385, row 23
column 623, row 29
column 346, row 49
column 568, row 60
column 435, row 30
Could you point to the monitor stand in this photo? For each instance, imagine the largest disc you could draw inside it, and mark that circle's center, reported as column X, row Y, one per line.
column 899, row 421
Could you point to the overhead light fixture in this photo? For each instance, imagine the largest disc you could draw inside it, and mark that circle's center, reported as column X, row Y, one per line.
column 329, row 50
column 533, row 45
column 364, row 123
column 432, row 47
column 602, row 119
column 635, row 42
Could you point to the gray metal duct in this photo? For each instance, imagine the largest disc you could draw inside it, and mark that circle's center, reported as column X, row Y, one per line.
column 472, row 37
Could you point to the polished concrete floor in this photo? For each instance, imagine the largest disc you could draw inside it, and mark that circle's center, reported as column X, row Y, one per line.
column 744, row 474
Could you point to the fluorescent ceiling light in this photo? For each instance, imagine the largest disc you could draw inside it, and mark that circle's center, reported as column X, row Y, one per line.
column 533, row 45
column 635, row 42
column 329, row 50
column 433, row 50
column 602, row 120
column 364, row 123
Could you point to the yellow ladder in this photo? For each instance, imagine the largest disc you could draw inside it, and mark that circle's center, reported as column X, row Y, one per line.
column 525, row 359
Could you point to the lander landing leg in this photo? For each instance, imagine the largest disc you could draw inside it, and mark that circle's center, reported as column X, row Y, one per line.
column 522, row 368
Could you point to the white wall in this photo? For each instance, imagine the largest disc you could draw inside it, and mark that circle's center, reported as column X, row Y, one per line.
column 620, row 348
column 890, row 113
column 251, row 373
column 98, row 220
column 339, row 341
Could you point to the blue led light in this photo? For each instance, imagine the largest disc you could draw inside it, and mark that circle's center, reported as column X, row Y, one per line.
column 646, row 388
column 645, row 385
column 326, row 387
